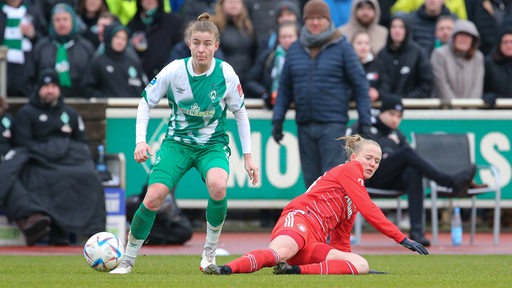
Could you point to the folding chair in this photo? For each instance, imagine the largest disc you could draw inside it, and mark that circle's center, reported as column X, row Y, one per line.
column 452, row 153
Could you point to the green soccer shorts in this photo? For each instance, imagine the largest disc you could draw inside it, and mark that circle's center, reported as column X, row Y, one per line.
column 174, row 159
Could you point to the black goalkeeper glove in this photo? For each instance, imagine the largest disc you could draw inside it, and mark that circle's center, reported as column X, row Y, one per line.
column 365, row 131
column 277, row 131
column 414, row 246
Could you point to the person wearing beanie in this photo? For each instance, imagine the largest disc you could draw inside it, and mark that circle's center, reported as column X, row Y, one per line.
column 401, row 168
column 59, row 193
column 319, row 68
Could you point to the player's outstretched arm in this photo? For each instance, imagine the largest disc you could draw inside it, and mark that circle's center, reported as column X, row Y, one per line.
column 414, row 246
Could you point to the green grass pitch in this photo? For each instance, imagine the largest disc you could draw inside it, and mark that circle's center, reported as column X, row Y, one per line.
column 182, row 271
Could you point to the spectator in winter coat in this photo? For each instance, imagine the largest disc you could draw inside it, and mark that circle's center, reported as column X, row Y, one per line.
column 63, row 50
column 60, row 192
column 155, row 33
column 21, row 26
column 423, row 21
column 114, row 74
column 365, row 17
column 318, row 70
column 498, row 70
column 490, row 17
column 407, row 68
column 263, row 78
column 285, row 11
column 458, row 66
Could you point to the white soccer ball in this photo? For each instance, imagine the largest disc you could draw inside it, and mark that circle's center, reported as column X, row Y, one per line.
column 103, row 251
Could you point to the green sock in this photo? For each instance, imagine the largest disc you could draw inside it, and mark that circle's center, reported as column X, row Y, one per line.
column 216, row 211
column 142, row 222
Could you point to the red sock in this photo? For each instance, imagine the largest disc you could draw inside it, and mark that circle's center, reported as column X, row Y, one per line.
column 254, row 261
column 329, row 267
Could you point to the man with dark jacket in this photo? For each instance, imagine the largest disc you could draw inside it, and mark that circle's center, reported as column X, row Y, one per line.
column 423, row 23
column 318, row 70
column 401, row 168
column 50, row 186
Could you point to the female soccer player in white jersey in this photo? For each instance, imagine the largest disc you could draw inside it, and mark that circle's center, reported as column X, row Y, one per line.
column 199, row 89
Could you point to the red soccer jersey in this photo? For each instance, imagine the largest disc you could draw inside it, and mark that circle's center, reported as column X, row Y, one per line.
column 332, row 203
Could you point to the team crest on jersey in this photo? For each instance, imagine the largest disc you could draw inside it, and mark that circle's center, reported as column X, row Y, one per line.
column 301, row 227
column 213, row 95
column 240, row 90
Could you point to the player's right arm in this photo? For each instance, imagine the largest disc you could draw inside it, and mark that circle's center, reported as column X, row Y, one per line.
column 151, row 95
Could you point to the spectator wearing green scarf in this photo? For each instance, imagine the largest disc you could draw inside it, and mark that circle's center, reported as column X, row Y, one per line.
column 63, row 50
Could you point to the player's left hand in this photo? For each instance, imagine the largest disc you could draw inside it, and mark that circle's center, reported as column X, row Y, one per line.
column 252, row 170
column 414, row 246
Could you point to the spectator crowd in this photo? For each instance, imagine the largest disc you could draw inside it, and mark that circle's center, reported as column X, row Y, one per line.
column 406, row 57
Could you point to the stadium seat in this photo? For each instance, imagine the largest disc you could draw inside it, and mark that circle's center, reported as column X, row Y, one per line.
column 452, row 153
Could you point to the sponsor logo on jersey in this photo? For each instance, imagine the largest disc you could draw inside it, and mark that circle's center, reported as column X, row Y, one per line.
column 196, row 111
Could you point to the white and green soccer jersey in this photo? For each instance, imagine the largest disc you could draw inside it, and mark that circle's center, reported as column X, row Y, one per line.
column 198, row 102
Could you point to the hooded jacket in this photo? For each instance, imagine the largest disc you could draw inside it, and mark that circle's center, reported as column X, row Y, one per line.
column 378, row 33
column 406, row 71
column 38, row 123
column 114, row 74
column 455, row 74
column 79, row 52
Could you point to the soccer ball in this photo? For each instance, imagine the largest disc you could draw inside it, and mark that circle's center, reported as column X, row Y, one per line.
column 103, row 251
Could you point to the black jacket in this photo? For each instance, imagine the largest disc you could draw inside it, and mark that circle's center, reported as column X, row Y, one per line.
column 6, row 133
column 62, row 184
column 113, row 74
column 165, row 31
column 406, row 71
column 37, row 124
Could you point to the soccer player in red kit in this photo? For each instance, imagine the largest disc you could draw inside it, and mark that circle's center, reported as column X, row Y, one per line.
column 328, row 208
